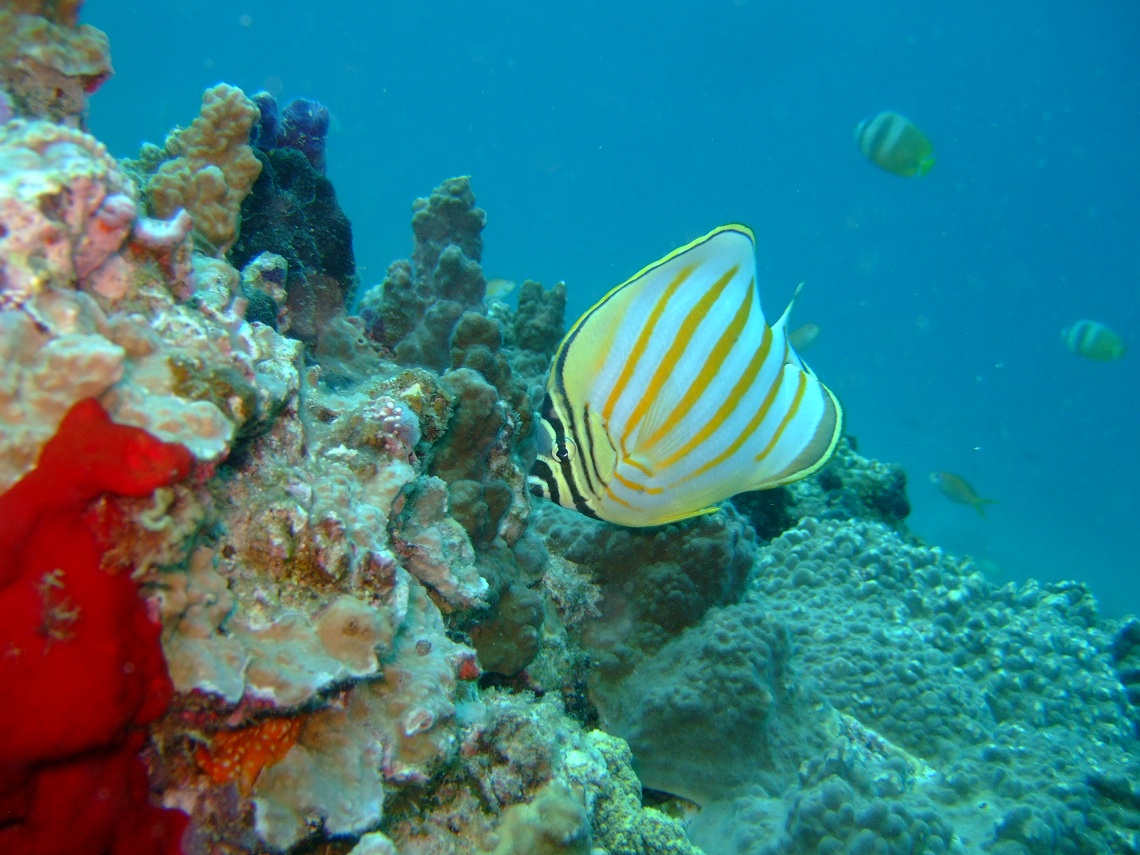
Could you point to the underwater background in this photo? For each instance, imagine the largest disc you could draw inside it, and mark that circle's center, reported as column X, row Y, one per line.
column 600, row 136
column 280, row 577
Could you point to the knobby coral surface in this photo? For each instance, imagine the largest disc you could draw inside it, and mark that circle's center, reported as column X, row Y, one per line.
column 208, row 168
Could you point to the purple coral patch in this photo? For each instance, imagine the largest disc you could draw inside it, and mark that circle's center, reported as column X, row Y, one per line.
column 305, row 127
column 263, row 134
column 302, row 126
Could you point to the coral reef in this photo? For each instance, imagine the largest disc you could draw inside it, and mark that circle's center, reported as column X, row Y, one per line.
column 206, row 169
column 667, row 712
column 93, row 304
column 372, row 639
column 655, row 582
column 541, row 318
column 303, row 127
column 849, row 487
column 1126, row 655
column 1007, row 695
column 49, row 63
column 81, row 652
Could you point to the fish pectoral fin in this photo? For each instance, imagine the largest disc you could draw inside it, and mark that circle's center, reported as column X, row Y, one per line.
column 643, row 463
column 646, row 439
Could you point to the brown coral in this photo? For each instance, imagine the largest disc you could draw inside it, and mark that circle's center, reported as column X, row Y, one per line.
column 211, row 167
column 47, row 64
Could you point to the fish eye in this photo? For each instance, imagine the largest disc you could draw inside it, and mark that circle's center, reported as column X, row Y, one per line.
column 566, row 451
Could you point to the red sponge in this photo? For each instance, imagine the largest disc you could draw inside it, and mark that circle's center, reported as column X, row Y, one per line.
column 81, row 665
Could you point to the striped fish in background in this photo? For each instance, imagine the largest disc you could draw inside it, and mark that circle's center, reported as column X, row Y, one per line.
column 1093, row 340
column 672, row 394
column 893, row 143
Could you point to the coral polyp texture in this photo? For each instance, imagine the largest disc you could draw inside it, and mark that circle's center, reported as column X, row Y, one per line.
column 272, row 580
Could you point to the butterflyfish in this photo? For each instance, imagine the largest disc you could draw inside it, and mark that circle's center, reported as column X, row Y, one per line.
column 1093, row 340
column 958, row 489
column 803, row 336
column 892, row 142
column 672, row 393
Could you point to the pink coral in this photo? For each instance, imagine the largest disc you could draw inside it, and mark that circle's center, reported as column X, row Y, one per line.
column 105, row 233
column 400, row 427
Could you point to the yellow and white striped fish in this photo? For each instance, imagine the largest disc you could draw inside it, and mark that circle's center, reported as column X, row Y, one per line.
column 672, row 394
column 1093, row 340
column 892, row 142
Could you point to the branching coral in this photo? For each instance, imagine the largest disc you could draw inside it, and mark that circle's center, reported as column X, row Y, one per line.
column 211, row 167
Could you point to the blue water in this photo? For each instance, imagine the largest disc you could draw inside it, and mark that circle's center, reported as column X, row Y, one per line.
column 601, row 135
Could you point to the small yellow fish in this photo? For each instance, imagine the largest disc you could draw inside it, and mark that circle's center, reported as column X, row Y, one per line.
column 958, row 489
column 1093, row 340
column 803, row 337
column 893, row 143
column 498, row 288
column 673, row 393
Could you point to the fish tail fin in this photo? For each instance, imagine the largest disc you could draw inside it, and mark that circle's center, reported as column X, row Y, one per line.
column 980, row 506
column 926, row 165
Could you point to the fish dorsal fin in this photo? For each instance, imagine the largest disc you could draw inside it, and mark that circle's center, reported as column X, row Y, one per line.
column 786, row 317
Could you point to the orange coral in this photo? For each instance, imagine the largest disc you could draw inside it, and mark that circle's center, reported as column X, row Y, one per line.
column 211, row 167
column 240, row 755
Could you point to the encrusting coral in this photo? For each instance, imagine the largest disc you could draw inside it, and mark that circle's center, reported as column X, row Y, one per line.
column 49, row 63
column 80, row 650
